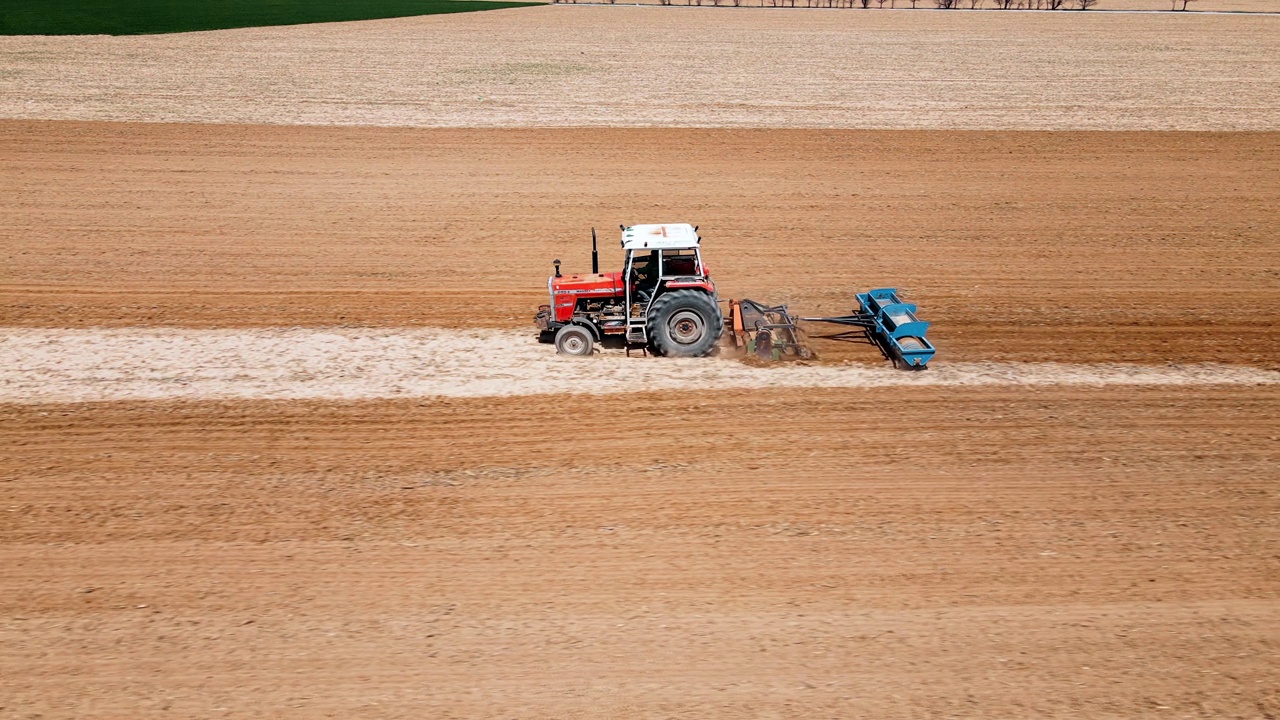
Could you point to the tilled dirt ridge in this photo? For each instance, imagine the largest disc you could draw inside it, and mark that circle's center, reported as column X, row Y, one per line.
column 890, row 552
column 1140, row 248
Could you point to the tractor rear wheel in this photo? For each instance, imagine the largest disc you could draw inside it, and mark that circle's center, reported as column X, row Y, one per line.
column 574, row 340
column 684, row 323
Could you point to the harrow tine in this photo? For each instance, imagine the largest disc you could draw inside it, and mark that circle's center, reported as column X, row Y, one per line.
column 768, row 331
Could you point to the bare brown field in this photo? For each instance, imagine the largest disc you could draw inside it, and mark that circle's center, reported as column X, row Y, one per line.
column 886, row 553
column 695, row 67
column 1070, row 247
column 1039, row 546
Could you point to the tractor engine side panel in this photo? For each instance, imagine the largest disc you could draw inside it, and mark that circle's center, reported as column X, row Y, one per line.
column 568, row 290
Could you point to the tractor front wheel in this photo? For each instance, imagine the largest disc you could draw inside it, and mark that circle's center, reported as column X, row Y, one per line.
column 574, row 340
column 684, row 323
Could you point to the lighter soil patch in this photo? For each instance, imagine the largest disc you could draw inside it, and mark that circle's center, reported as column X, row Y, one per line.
column 686, row 67
column 51, row 365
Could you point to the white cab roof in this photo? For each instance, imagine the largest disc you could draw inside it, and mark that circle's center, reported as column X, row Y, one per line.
column 664, row 236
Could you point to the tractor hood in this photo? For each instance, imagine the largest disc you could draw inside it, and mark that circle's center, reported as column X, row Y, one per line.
column 589, row 284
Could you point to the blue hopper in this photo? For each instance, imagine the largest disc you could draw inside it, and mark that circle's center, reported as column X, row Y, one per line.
column 888, row 323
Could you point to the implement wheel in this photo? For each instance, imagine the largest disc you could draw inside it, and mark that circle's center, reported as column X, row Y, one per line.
column 684, row 323
column 574, row 340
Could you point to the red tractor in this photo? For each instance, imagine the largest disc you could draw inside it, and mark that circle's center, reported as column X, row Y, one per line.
column 663, row 300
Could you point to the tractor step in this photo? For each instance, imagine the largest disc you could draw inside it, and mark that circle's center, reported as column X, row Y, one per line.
column 636, row 332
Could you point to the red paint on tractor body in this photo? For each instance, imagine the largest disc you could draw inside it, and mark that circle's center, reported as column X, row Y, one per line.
column 695, row 284
column 566, row 291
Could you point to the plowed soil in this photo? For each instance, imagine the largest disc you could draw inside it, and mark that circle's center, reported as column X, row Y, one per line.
column 850, row 553
column 1009, row 550
column 1070, row 247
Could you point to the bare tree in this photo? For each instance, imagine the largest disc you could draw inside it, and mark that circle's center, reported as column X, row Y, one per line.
column 1085, row 4
column 1055, row 4
column 975, row 4
column 880, row 4
column 1184, row 4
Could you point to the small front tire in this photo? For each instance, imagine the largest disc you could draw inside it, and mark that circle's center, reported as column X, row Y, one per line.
column 574, row 340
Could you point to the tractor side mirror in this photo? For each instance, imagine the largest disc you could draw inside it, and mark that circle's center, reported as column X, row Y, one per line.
column 557, row 264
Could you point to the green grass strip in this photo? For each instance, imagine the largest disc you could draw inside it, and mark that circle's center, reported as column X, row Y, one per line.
column 140, row 17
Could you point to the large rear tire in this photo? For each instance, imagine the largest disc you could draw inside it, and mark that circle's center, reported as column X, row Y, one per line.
column 684, row 323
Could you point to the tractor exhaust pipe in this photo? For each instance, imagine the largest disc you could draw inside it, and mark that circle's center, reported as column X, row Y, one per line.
column 595, row 256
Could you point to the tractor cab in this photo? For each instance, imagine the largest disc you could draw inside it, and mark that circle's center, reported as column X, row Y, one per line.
column 659, row 258
column 646, row 268
column 658, row 255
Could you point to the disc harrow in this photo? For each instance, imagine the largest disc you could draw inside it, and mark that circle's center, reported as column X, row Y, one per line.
column 768, row 332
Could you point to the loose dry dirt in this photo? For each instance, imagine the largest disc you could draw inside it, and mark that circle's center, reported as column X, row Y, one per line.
column 58, row 365
column 693, row 67
column 899, row 552
column 1055, row 542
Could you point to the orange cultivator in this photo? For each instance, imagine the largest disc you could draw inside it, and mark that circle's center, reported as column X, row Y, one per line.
column 768, row 332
